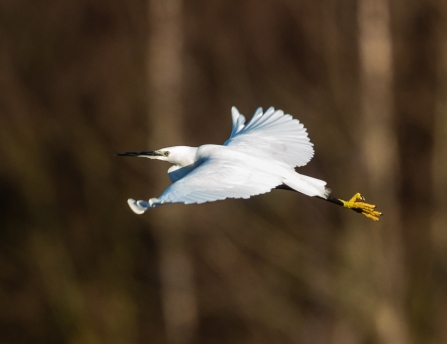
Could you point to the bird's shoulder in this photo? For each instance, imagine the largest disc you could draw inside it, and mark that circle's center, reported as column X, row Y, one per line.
column 211, row 151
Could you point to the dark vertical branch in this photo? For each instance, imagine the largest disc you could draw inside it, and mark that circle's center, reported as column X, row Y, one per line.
column 439, row 168
column 415, row 79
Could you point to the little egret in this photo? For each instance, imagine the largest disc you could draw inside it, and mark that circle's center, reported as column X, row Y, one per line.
column 259, row 156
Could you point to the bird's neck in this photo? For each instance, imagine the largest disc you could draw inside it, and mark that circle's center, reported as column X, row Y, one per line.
column 184, row 156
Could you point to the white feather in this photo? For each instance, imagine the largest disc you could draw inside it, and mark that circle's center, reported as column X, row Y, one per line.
column 272, row 135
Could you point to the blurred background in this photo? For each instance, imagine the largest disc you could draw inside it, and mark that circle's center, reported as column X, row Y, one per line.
column 83, row 80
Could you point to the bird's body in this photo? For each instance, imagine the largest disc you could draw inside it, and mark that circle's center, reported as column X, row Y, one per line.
column 258, row 157
column 228, row 172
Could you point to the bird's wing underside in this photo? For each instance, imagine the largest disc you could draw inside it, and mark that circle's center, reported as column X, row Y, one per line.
column 217, row 179
column 271, row 135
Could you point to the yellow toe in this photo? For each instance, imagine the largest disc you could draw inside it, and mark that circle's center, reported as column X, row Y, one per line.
column 357, row 203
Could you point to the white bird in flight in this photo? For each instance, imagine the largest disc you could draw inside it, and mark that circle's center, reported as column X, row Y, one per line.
column 259, row 156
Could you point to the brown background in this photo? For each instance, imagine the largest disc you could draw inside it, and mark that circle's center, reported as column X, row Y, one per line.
column 83, row 80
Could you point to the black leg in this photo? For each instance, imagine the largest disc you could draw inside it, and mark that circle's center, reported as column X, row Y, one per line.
column 333, row 200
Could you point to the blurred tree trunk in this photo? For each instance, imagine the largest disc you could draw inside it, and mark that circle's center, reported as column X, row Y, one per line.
column 380, row 156
column 165, row 128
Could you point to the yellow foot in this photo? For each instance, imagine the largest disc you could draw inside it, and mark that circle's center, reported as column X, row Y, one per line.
column 357, row 203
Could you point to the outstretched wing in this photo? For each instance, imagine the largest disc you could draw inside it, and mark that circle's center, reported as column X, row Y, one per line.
column 271, row 135
column 213, row 180
column 217, row 179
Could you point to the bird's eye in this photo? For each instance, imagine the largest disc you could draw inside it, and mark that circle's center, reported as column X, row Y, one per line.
column 166, row 153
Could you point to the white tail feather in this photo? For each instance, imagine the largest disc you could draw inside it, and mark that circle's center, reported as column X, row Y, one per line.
column 307, row 185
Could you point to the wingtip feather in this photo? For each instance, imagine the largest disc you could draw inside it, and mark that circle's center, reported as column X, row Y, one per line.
column 136, row 206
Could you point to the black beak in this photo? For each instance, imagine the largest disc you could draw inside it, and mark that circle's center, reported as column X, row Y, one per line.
column 148, row 153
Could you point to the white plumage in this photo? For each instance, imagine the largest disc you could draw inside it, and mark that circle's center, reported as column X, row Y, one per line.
column 258, row 157
column 271, row 135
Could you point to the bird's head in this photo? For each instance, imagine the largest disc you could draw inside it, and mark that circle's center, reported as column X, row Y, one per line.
column 180, row 155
